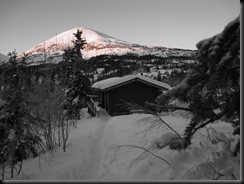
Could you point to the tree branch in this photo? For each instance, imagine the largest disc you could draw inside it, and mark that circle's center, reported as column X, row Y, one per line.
column 134, row 146
column 217, row 117
column 159, row 118
column 174, row 108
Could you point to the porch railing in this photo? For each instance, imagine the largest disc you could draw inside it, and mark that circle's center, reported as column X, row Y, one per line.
column 93, row 108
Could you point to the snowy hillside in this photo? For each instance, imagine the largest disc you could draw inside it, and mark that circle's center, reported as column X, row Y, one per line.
column 3, row 58
column 131, row 153
column 97, row 44
column 91, row 155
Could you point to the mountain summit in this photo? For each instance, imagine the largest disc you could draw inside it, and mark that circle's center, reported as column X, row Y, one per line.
column 97, row 44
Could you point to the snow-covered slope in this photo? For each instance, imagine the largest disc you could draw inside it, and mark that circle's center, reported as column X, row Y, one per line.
column 92, row 155
column 97, row 44
column 3, row 58
column 125, row 159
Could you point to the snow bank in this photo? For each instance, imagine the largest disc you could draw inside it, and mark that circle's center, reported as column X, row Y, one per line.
column 69, row 165
column 120, row 149
column 126, row 163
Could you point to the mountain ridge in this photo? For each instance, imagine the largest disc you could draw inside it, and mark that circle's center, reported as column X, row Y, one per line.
column 98, row 44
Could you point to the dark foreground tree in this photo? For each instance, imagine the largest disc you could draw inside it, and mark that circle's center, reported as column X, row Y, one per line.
column 75, row 83
column 17, row 141
column 212, row 90
column 75, row 77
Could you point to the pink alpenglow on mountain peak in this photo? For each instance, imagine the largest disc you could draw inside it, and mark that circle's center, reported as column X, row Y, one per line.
column 97, row 44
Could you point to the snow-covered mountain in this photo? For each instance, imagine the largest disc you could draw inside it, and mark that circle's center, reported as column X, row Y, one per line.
column 97, row 44
column 3, row 58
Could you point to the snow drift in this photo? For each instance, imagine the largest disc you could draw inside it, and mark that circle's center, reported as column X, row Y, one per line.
column 120, row 149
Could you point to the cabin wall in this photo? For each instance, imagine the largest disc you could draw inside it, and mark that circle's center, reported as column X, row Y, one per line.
column 108, row 101
column 101, row 98
column 136, row 91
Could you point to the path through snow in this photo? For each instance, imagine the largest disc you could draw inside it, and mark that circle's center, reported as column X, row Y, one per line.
column 95, row 148
column 89, row 142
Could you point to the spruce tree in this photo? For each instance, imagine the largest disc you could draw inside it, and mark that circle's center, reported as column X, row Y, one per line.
column 17, row 142
column 212, row 90
column 75, row 79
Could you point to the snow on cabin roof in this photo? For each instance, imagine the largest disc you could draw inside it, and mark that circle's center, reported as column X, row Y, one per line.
column 114, row 81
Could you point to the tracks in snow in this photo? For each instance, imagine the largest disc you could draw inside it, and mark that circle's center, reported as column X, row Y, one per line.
column 95, row 149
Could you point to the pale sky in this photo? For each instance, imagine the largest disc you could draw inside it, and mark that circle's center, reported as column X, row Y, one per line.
column 168, row 23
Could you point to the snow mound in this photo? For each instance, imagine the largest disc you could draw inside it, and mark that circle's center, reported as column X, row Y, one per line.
column 69, row 165
column 117, row 148
column 125, row 158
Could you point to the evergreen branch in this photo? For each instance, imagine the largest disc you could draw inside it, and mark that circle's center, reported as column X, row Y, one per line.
column 174, row 108
column 217, row 117
column 188, row 132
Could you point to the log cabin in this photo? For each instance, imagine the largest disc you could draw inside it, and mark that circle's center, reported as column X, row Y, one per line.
column 114, row 92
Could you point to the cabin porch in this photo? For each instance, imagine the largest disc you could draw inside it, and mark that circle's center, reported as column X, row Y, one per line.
column 93, row 105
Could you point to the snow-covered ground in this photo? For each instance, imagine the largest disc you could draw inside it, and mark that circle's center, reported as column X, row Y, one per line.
column 133, row 163
column 78, row 162
column 112, row 148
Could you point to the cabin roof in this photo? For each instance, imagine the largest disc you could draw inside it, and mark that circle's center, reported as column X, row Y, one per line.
column 115, row 82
